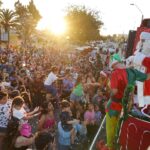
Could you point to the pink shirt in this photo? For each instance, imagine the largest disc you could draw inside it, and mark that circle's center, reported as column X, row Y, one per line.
column 49, row 123
column 89, row 115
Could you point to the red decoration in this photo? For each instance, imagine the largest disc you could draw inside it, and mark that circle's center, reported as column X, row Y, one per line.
column 135, row 134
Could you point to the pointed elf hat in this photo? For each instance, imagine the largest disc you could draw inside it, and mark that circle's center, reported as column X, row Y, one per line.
column 115, row 59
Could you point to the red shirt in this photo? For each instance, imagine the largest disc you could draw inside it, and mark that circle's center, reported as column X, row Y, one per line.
column 119, row 81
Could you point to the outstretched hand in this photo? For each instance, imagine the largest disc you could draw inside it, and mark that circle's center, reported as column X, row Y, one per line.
column 36, row 109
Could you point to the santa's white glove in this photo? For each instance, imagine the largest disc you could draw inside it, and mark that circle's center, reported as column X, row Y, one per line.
column 138, row 58
column 129, row 61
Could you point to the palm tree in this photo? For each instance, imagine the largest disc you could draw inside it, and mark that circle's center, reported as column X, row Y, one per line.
column 7, row 20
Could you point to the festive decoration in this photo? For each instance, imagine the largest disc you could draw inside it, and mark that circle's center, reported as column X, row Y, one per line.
column 134, row 134
column 125, row 102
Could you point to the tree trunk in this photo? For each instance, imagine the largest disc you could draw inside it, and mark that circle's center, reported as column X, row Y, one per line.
column 8, row 32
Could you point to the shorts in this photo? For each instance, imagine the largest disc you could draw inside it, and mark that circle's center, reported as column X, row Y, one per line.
column 3, row 130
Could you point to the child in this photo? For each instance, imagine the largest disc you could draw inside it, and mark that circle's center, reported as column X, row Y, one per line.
column 89, row 117
column 16, row 139
column 99, row 99
column 81, row 127
column 66, row 115
column 98, row 115
column 19, row 112
column 27, row 101
column 25, row 137
column 67, row 122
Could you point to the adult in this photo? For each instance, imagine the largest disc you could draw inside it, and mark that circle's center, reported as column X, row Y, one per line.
column 49, row 82
column 90, row 79
column 142, row 62
column 104, row 83
column 5, row 114
column 120, row 78
column 77, row 93
column 44, row 141
column 67, row 85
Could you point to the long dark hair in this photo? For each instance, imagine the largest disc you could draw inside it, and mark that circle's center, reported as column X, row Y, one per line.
column 45, row 108
column 11, row 134
column 27, row 99
column 18, row 100
column 43, row 140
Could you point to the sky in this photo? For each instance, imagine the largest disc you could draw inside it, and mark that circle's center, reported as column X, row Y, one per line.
column 118, row 16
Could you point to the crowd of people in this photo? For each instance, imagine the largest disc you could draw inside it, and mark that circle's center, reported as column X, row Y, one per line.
column 62, row 93
column 54, row 99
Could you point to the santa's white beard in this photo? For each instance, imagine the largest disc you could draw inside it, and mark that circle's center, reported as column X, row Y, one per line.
column 145, row 49
column 138, row 47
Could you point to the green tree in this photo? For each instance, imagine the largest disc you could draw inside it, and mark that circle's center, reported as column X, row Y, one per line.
column 7, row 20
column 1, row 3
column 83, row 24
column 28, row 17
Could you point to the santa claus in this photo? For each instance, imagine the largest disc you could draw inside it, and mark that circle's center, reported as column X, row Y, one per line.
column 141, row 61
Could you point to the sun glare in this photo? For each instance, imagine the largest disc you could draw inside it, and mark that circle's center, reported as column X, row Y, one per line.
column 56, row 25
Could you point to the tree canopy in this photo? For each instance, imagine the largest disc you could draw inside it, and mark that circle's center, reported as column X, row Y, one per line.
column 82, row 24
column 28, row 17
column 7, row 18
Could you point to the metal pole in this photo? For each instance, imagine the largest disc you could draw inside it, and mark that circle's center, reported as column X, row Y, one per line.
column 91, row 147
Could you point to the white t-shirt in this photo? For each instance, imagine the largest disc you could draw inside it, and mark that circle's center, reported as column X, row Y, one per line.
column 20, row 114
column 50, row 79
column 4, row 84
column 5, row 113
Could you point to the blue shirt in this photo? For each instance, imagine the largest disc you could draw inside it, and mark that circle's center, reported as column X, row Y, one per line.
column 98, row 116
column 68, row 85
column 63, row 136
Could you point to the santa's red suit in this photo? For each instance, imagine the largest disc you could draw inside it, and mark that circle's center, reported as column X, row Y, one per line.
column 146, row 63
column 141, row 61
